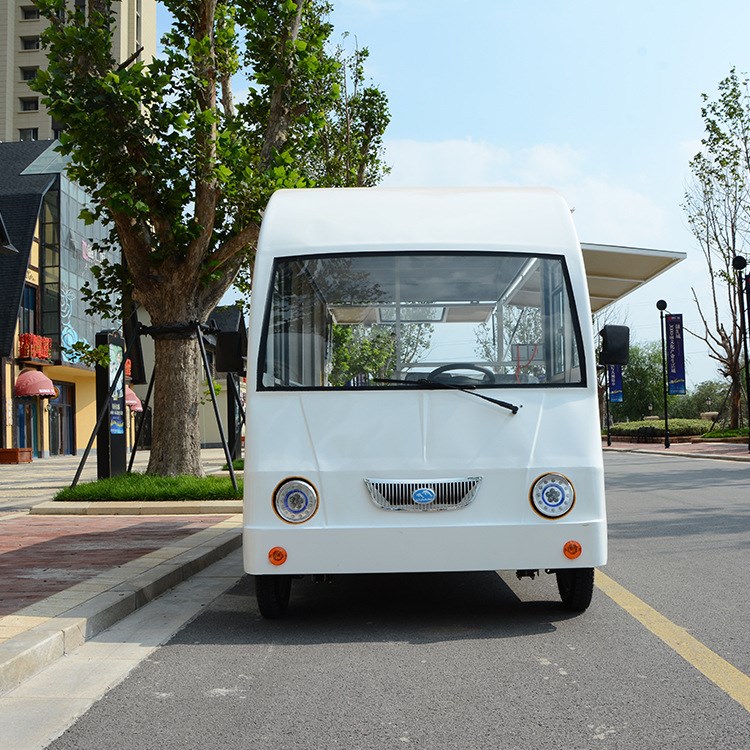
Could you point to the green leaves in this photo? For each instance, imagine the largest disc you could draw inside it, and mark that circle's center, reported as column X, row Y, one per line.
column 83, row 353
column 223, row 172
column 89, row 217
column 345, row 147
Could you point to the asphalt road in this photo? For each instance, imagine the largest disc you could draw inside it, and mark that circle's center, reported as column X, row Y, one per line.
column 474, row 661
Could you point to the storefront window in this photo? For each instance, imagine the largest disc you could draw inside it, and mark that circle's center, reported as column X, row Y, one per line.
column 27, row 425
column 27, row 313
column 62, row 421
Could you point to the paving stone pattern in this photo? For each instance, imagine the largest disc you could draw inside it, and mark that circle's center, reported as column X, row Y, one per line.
column 42, row 555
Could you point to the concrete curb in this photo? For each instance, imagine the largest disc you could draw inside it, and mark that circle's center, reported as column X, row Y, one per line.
column 107, row 598
column 683, row 454
column 213, row 507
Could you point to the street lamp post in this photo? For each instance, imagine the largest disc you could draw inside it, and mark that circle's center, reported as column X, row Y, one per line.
column 606, row 403
column 739, row 263
column 661, row 306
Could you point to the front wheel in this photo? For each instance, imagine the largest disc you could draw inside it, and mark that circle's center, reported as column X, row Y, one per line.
column 272, row 594
column 576, row 587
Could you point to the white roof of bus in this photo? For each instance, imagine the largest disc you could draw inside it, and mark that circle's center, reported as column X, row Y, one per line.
column 365, row 218
column 331, row 219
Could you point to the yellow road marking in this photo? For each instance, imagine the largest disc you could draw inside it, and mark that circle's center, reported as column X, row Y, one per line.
column 732, row 681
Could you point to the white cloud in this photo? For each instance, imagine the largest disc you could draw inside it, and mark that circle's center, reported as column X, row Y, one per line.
column 549, row 164
column 606, row 212
column 241, row 95
column 469, row 162
column 459, row 163
column 372, row 7
column 614, row 214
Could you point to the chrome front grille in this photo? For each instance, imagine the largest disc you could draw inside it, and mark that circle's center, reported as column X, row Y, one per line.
column 399, row 494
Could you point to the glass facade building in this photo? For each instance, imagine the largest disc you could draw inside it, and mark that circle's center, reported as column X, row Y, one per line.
column 68, row 253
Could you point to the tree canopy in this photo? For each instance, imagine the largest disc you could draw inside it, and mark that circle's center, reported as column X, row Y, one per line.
column 642, row 384
column 182, row 168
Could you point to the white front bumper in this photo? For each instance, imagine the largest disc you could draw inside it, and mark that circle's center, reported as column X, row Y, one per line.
column 397, row 549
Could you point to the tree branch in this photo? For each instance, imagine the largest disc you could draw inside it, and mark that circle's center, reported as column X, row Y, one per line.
column 127, row 63
column 206, row 187
column 279, row 114
column 243, row 239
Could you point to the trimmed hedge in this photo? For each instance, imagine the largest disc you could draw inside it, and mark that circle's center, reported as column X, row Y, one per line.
column 677, row 427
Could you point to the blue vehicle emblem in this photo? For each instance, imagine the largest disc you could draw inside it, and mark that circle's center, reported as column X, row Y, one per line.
column 423, row 496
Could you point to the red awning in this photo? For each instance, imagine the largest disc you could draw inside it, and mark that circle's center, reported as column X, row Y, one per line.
column 132, row 400
column 34, row 383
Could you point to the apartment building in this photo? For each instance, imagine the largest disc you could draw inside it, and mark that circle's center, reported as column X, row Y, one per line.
column 22, row 115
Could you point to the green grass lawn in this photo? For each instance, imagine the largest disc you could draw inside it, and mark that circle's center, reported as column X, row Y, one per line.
column 144, row 488
column 726, row 433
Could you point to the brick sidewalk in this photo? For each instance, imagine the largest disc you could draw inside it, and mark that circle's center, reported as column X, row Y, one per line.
column 728, row 451
column 43, row 555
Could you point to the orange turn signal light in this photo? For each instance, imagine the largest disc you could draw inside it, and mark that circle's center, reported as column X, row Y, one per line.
column 277, row 556
column 572, row 549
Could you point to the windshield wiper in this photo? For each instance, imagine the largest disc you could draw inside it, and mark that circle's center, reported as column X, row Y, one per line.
column 449, row 386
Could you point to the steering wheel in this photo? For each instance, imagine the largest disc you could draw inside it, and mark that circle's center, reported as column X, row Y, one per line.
column 488, row 378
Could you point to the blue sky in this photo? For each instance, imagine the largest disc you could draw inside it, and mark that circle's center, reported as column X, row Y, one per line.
column 599, row 100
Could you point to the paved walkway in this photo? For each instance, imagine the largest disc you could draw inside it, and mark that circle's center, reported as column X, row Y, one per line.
column 64, row 578
column 726, row 451
column 44, row 555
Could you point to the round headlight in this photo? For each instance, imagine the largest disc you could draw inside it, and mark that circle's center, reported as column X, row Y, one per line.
column 552, row 495
column 295, row 500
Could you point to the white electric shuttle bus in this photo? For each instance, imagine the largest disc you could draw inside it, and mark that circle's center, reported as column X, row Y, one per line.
column 421, row 390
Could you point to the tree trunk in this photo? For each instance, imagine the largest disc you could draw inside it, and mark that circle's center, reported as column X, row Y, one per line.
column 735, row 402
column 178, row 384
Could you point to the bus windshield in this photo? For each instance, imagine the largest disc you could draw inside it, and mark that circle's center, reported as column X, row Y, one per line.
column 476, row 319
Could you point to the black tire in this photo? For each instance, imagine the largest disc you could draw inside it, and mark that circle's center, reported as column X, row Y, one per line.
column 272, row 594
column 576, row 587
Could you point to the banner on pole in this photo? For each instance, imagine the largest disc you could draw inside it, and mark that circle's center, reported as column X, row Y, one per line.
column 614, row 378
column 675, row 356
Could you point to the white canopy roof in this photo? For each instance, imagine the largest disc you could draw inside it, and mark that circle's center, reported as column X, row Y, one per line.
column 612, row 271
